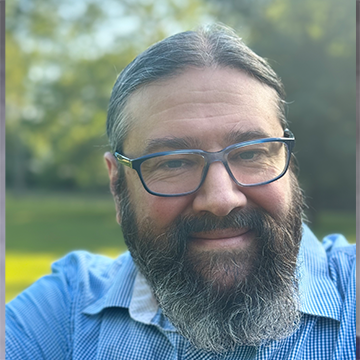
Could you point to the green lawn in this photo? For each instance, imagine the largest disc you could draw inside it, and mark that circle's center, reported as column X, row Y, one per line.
column 42, row 228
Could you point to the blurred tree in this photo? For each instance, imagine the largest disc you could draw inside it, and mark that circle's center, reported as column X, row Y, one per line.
column 63, row 57
column 311, row 45
column 62, row 60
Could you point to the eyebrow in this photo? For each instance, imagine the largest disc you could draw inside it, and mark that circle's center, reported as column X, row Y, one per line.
column 173, row 143
column 236, row 137
column 183, row 143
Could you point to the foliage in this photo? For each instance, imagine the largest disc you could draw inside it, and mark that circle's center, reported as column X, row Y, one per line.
column 62, row 59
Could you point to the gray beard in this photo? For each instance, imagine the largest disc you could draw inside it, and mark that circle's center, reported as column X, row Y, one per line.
column 221, row 299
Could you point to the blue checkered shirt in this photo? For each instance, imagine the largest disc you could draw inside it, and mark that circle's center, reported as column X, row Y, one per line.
column 93, row 307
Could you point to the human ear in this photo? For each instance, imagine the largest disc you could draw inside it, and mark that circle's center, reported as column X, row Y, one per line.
column 113, row 173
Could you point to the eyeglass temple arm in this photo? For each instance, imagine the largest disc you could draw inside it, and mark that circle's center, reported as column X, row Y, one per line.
column 288, row 133
column 123, row 159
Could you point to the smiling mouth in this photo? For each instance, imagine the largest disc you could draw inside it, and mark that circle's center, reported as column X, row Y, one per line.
column 222, row 239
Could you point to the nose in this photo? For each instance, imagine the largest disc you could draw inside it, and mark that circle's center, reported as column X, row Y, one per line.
column 219, row 194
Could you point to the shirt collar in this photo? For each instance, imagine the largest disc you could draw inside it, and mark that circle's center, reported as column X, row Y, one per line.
column 318, row 294
column 130, row 290
column 121, row 289
column 143, row 306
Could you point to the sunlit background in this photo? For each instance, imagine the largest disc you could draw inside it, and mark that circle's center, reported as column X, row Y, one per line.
column 62, row 58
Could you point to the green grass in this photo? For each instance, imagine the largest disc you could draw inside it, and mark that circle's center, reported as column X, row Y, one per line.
column 43, row 228
column 59, row 223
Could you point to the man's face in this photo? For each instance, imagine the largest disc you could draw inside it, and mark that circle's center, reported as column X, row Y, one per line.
column 210, row 108
column 226, row 254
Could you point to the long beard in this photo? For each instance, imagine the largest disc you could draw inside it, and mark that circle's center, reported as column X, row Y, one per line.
column 221, row 299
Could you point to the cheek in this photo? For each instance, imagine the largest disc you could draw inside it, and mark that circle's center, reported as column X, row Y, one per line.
column 275, row 198
column 161, row 210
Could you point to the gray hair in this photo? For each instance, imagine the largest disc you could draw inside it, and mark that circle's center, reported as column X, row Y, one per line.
column 209, row 46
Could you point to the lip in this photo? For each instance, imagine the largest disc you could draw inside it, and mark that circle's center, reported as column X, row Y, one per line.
column 222, row 239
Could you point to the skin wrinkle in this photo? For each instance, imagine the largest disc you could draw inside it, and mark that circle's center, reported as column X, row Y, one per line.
column 174, row 143
column 209, row 116
column 139, row 97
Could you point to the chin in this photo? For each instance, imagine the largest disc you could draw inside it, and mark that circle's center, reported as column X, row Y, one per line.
column 224, row 269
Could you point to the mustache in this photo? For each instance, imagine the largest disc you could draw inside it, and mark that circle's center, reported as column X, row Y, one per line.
column 251, row 219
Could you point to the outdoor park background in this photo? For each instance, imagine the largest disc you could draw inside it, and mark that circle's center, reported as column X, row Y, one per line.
column 62, row 59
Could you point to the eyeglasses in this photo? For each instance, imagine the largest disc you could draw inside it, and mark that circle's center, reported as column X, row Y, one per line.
column 182, row 172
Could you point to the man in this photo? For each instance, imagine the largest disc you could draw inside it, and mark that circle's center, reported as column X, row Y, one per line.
column 221, row 266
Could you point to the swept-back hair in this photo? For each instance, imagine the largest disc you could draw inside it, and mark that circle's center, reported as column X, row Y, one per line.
column 209, row 46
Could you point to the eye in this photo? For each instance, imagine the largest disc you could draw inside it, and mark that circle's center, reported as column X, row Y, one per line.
column 183, row 164
column 174, row 164
column 247, row 155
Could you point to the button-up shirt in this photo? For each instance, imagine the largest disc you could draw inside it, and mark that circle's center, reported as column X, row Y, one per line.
column 94, row 307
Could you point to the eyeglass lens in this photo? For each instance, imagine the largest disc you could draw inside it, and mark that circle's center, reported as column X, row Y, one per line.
column 181, row 173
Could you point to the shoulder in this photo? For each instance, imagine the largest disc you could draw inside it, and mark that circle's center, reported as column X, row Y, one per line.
column 40, row 320
column 341, row 255
column 342, row 270
column 81, row 266
column 342, row 262
column 82, row 261
column 328, row 274
column 335, row 244
column 89, row 276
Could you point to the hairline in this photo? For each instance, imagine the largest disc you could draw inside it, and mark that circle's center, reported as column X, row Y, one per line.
column 128, row 120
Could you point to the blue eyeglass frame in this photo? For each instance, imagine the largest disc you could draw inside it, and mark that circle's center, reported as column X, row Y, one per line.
column 210, row 157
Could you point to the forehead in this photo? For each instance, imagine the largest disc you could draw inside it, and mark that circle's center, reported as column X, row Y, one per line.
column 205, row 105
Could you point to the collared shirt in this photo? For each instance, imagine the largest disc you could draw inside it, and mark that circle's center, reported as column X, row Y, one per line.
column 93, row 307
